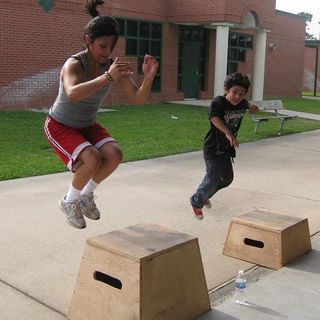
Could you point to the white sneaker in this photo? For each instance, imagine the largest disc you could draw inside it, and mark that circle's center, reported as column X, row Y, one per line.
column 73, row 213
column 89, row 207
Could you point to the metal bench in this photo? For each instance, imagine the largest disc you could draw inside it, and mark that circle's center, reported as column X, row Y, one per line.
column 271, row 106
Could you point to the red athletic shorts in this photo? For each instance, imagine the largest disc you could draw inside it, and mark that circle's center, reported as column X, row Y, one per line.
column 69, row 142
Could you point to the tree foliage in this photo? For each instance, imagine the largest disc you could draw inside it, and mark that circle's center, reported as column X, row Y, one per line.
column 308, row 17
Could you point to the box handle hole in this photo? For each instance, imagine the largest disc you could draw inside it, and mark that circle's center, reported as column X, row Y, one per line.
column 111, row 281
column 253, row 243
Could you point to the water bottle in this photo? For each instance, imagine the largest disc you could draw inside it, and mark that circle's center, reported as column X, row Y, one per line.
column 241, row 288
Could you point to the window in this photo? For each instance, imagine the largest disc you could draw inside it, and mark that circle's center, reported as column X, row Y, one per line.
column 238, row 44
column 240, row 40
column 232, row 67
column 143, row 37
column 144, row 47
column 132, row 28
column 144, row 30
column 131, row 47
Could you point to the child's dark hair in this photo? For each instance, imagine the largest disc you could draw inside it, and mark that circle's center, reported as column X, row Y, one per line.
column 100, row 25
column 237, row 79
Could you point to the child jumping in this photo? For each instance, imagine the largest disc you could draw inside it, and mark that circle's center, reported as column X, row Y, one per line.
column 225, row 116
column 87, row 148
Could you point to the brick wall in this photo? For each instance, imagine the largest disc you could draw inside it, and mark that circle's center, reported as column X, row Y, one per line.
column 35, row 45
column 221, row 11
column 309, row 69
column 284, row 64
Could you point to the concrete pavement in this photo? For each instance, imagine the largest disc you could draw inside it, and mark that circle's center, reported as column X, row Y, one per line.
column 40, row 254
column 289, row 293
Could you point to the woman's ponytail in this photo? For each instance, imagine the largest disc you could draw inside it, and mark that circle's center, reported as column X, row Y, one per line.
column 91, row 7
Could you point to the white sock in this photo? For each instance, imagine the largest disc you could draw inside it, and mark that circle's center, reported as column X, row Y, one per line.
column 73, row 194
column 89, row 187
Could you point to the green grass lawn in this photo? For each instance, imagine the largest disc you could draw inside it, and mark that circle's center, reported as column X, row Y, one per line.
column 310, row 93
column 143, row 132
column 300, row 104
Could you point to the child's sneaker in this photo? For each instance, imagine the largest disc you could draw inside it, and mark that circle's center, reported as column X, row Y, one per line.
column 73, row 213
column 198, row 213
column 89, row 207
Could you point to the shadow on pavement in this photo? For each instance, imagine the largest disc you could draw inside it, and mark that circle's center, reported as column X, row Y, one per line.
column 309, row 262
column 216, row 315
column 265, row 310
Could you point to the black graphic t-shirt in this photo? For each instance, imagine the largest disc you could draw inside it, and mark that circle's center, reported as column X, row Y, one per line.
column 215, row 141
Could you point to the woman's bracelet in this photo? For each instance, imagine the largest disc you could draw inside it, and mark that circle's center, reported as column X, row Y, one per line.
column 108, row 76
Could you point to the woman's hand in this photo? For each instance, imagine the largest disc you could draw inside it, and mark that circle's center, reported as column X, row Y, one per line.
column 150, row 66
column 120, row 69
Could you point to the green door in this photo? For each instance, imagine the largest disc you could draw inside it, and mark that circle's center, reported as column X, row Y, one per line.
column 190, row 65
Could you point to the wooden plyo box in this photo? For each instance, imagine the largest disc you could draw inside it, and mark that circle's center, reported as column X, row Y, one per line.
column 140, row 272
column 267, row 239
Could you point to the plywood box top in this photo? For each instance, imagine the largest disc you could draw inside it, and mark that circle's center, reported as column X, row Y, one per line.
column 268, row 220
column 140, row 241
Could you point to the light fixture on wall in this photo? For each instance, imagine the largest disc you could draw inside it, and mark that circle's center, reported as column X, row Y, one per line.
column 272, row 46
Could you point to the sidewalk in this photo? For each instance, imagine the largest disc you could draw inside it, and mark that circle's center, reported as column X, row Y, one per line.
column 289, row 293
column 40, row 254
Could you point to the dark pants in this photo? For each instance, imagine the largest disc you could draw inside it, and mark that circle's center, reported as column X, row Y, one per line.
column 219, row 174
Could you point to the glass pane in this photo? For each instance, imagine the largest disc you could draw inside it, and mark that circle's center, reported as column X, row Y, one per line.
column 131, row 46
column 233, row 39
column 249, row 40
column 155, row 48
column 156, row 32
column 144, row 29
column 132, row 28
column 232, row 54
column 156, row 84
column 143, row 47
column 232, row 67
column 242, row 55
column 139, row 65
column 241, row 41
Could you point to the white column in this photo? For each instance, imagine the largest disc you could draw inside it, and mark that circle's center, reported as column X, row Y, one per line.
column 259, row 65
column 222, row 35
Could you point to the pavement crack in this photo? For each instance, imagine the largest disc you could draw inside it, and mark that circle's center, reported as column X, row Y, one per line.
column 33, row 298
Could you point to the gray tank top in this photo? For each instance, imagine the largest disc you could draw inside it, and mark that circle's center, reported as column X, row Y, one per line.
column 80, row 114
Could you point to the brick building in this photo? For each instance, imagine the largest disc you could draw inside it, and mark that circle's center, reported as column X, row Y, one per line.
column 196, row 42
column 311, row 76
